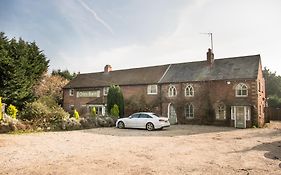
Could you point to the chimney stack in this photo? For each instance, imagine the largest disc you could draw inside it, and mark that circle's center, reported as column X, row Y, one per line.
column 107, row 68
column 210, row 56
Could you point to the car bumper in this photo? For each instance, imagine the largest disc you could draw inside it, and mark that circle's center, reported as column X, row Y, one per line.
column 163, row 125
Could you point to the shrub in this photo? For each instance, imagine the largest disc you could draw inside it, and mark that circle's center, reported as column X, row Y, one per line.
column 45, row 113
column 114, row 110
column 76, row 115
column 71, row 124
column 94, row 112
column 12, row 111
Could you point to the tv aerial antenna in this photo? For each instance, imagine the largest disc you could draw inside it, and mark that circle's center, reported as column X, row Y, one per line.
column 211, row 38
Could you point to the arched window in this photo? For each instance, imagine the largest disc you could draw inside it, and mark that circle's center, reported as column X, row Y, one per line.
column 172, row 92
column 189, row 91
column 189, row 111
column 220, row 112
column 241, row 90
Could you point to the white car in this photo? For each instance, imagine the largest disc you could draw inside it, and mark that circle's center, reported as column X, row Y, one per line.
column 145, row 120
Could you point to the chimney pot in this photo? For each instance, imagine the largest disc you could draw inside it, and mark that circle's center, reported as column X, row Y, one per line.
column 107, row 68
column 210, row 56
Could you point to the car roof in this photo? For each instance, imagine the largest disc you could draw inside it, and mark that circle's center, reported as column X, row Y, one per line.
column 143, row 113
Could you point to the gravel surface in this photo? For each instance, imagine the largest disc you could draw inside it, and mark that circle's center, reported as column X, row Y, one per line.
column 180, row 149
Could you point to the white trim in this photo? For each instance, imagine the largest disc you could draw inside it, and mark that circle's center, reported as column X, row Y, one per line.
column 102, row 108
column 149, row 88
column 169, row 112
column 172, row 95
column 189, row 86
column 71, row 92
column 247, row 110
column 105, row 91
column 240, row 89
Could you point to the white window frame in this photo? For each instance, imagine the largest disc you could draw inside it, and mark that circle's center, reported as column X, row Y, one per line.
column 103, row 108
column 172, row 91
column 189, row 115
column 71, row 92
column 189, row 91
column 239, row 88
column 105, row 91
column 221, row 107
column 247, row 112
column 150, row 88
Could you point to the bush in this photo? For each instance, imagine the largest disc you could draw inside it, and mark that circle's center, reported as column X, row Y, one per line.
column 94, row 112
column 71, row 124
column 114, row 111
column 12, row 111
column 76, row 115
column 45, row 113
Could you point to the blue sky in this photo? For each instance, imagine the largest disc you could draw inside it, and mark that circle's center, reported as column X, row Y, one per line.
column 85, row 35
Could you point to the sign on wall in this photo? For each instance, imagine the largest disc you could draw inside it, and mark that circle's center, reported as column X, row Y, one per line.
column 95, row 93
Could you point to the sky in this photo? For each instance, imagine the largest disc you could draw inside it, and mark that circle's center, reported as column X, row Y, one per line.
column 85, row 35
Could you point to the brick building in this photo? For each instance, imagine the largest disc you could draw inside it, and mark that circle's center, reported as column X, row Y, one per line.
column 227, row 92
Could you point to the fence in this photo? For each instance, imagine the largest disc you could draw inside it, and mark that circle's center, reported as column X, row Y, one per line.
column 273, row 113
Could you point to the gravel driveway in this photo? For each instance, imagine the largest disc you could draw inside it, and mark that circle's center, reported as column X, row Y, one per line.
column 180, row 149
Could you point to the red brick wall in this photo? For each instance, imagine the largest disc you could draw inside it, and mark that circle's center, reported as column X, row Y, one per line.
column 215, row 92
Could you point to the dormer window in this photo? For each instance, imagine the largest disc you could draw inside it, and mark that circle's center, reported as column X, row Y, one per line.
column 152, row 89
column 189, row 91
column 71, row 92
column 172, row 92
column 241, row 90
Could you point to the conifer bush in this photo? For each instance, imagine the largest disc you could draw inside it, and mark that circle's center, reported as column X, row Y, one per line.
column 115, row 111
column 76, row 115
column 12, row 111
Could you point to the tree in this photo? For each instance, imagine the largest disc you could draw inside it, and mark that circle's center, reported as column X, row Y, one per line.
column 21, row 65
column 64, row 73
column 51, row 85
column 115, row 96
column 273, row 88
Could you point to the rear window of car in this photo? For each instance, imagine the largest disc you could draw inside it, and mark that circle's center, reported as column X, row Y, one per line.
column 155, row 115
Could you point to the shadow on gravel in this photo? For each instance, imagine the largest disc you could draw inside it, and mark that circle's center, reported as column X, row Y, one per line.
column 273, row 150
column 174, row 130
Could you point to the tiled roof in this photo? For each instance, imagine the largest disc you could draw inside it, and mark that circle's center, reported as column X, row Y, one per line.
column 145, row 75
column 244, row 67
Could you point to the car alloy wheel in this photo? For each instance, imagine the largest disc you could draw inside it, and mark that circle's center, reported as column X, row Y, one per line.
column 121, row 125
column 149, row 126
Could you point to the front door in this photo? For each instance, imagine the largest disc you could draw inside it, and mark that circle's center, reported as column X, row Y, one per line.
column 240, row 120
column 172, row 114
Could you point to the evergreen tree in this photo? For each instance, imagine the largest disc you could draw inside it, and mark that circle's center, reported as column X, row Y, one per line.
column 65, row 74
column 21, row 65
column 115, row 96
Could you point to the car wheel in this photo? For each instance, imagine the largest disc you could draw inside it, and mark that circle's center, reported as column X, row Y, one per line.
column 149, row 126
column 121, row 125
